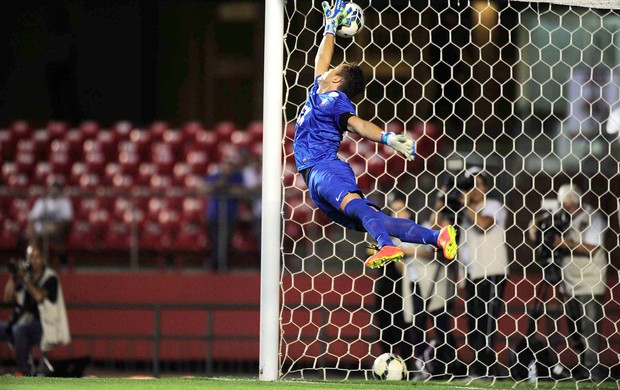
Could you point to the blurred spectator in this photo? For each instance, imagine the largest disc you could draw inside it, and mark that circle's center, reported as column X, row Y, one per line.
column 49, row 222
column 252, row 180
column 584, row 272
column 484, row 253
column 39, row 316
column 223, row 187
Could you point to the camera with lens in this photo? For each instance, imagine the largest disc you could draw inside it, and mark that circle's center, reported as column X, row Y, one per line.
column 455, row 187
column 18, row 266
column 549, row 226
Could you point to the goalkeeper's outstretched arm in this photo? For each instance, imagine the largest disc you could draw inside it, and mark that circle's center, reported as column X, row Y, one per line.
column 333, row 16
column 369, row 130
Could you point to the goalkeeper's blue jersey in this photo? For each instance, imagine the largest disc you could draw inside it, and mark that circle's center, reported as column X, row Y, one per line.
column 318, row 133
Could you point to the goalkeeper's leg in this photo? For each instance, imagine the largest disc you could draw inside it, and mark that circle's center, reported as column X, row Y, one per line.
column 408, row 231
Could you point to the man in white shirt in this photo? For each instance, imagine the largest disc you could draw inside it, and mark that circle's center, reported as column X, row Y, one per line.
column 584, row 273
column 484, row 253
column 49, row 222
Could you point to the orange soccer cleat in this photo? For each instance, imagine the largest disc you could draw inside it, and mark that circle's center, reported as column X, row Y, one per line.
column 447, row 241
column 384, row 255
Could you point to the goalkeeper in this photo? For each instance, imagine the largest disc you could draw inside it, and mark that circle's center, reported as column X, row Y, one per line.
column 327, row 114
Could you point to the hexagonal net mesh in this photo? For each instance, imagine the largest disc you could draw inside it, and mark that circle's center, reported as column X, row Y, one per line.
column 514, row 108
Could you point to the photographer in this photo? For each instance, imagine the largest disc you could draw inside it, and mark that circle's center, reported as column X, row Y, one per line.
column 39, row 316
column 584, row 272
column 484, row 254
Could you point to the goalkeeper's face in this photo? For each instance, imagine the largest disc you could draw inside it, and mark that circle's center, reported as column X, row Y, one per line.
column 332, row 79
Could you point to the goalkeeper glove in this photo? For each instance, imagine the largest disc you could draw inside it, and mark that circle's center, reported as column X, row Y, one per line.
column 400, row 143
column 333, row 16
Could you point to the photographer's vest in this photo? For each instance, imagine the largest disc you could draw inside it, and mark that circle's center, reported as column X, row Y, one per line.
column 54, row 322
column 485, row 253
column 585, row 275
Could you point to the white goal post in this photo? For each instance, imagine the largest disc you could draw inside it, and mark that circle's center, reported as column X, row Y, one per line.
column 528, row 92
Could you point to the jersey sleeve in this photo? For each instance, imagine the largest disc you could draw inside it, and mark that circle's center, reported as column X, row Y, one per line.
column 51, row 287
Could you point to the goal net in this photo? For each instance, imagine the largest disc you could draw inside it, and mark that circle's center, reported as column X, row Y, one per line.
column 525, row 95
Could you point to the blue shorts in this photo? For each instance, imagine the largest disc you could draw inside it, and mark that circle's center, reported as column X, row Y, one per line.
column 328, row 183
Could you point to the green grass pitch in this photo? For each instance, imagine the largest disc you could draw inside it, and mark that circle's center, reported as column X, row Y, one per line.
column 247, row 384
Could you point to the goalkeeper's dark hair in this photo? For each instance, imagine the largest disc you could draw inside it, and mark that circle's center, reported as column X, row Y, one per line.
column 353, row 80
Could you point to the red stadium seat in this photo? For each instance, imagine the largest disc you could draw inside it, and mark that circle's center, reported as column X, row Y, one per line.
column 10, row 233
column 20, row 210
column 81, row 236
column 154, row 206
column 146, row 170
column 152, row 236
column 42, row 171
column 112, row 168
column 174, row 139
column 224, row 130
column 108, row 142
column 42, row 142
column 129, row 161
column 161, row 182
column 95, row 162
column 56, row 129
column 193, row 210
column 142, row 140
column 205, row 141
column 193, row 182
column 157, row 130
column 8, row 168
column 198, row 161
column 255, row 130
column 162, row 155
column 117, row 236
column 25, row 162
column 121, row 205
column 77, row 170
column 244, row 241
column 7, row 145
column 99, row 221
column 20, row 129
column 61, row 163
column 89, row 129
column 122, row 129
column 190, row 129
column 123, row 181
column 241, row 139
column 190, row 237
column 180, row 171
column 75, row 139
column 26, row 146
column 85, row 206
column 89, row 181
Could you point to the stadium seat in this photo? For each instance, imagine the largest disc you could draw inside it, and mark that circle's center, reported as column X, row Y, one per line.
column 122, row 129
column 129, row 162
column 244, row 242
column 20, row 130
column 77, row 170
column 193, row 210
column 152, row 236
column 160, row 182
column 8, row 168
column 123, row 181
column 10, row 234
column 121, row 205
column 99, row 220
column 42, row 171
column 26, row 146
column 20, row 210
column 7, row 146
column 56, row 129
column 108, row 142
column 162, row 155
column 111, row 169
column 198, row 161
column 157, row 130
column 89, row 129
column 89, row 181
column 154, row 206
column 42, row 142
column 25, row 162
column 224, row 130
column 205, row 141
column 95, row 162
column 61, row 163
column 255, row 131
column 174, row 139
column 142, row 139
column 193, row 182
column 81, row 236
column 84, row 206
column 146, row 170
column 117, row 236
column 180, row 171
column 190, row 129
column 241, row 139
column 75, row 139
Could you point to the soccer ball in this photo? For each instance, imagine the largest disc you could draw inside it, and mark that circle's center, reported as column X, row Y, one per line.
column 389, row 366
column 353, row 23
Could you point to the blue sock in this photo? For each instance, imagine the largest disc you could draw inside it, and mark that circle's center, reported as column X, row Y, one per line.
column 371, row 220
column 409, row 231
